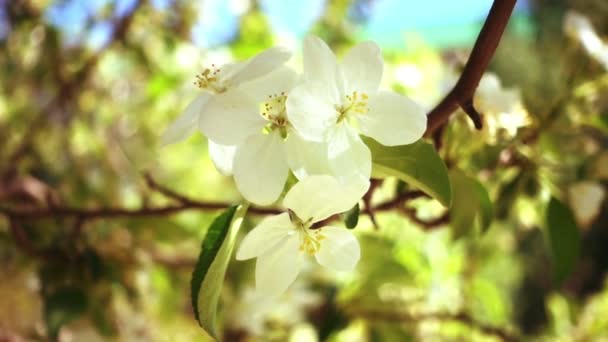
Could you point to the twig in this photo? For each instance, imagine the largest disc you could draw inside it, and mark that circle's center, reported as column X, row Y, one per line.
column 412, row 214
column 462, row 93
column 152, row 184
column 367, row 201
column 98, row 213
column 414, row 318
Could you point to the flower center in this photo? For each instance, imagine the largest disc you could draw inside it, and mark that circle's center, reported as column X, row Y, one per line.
column 208, row 80
column 356, row 103
column 274, row 111
column 310, row 240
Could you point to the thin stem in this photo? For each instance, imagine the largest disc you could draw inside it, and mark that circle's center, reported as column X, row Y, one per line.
column 464, row 90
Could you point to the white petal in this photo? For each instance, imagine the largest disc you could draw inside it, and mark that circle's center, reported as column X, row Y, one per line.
column 278, row 268
column 186, row 123
column 222, row 157
column 306, row 157
column 265, row 236
column 260, row 168
column 362, row 68
column 393, row 119
column 311, row 111
column 281, row 80
column 339, row 249
column 230, row 118
column 348, row 156
column 321, row 67
column 260, row 65
column 319, row 197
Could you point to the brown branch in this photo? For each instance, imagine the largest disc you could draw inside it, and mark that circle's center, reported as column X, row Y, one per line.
column 415, row 318
column 464, row 90
column 437, row 222
column 98, row 213
column 153, row 185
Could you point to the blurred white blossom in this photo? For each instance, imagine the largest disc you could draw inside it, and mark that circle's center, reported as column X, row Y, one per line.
column 586, row 200
column 578, row 27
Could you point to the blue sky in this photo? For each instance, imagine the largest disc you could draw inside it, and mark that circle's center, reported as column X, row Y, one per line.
column 380, row 20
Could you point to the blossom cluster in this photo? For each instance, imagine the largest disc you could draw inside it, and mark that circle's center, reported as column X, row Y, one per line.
column 263, row 119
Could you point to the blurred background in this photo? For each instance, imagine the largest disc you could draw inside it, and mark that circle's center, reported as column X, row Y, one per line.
column 87, row 88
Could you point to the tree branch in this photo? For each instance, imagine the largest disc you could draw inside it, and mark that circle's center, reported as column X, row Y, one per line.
column 464, row 90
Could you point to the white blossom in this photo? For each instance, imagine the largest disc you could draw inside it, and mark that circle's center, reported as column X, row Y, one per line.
column 503, row 107
column 337, row 101
column 580, row 28
column 281, row 242
column 214, row 81
column 251, row 137
column 586, row 200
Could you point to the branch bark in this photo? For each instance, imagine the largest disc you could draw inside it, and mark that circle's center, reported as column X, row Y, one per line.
column 485, row 46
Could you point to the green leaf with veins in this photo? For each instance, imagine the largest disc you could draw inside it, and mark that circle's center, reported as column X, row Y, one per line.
column 210, row 270
column 417, row 164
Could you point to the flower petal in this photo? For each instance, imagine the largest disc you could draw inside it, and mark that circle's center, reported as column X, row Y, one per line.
column 281, row 80
column 230, row 118
column 318, row 197
column 259, row 65
column 362, row 68
column 278, row 268
column 321, row 67
column 306, row 157
column 393, row 119
column 186, row 123
column 311, row 111
column 222, row 157
column 260, row 168
column 265, row 236
column 339, row 249
column 348, row 156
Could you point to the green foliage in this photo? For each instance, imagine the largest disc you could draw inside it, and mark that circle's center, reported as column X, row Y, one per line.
column 210, row 269
column 564, row 239
column 471, row 201
column 63, row 306
column 417, row 164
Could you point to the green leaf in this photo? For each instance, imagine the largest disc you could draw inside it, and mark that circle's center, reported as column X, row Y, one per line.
column 471, row 202
column 486, row 207
column 63, row 306
column 210, row 269
column 564, row 239
column 351, row 217
column 417, row 164
column 465, row 204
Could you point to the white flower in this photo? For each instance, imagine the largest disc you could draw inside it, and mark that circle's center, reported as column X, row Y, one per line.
column 579, row 27
column 502, row 106
column 281, row 242
column 253, row 310
column 251, row 137
column 336, row 101
column 214, row 81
